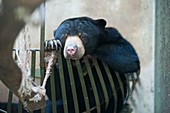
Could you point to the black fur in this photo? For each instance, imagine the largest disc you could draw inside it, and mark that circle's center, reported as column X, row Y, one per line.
column 103, row 43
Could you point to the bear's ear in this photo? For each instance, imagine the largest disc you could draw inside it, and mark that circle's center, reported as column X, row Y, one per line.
column 101, row 22
column 54, row 33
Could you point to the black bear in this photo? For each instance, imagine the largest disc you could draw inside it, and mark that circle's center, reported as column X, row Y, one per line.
column 85, row 37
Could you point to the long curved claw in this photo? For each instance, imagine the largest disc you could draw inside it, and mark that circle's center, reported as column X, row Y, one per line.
column 50, row 45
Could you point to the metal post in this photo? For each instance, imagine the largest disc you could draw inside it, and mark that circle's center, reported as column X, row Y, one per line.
column 162, row 56
column 42, row 37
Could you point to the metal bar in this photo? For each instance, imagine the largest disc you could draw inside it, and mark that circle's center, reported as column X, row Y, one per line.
column 121, row 84
column 42, row 30
column 33, row 62
column 20, row 107
column 93, row 84
column 128, row 86
column 73, row 88
column 63, row 87
column 133, row 81
column 53, row 92
column 112, row 85
column 162, row 57
column 10, row 96
column 83, row 85
column 42, row 38
column 101, row 81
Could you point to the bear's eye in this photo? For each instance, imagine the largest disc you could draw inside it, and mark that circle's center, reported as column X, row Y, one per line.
column 83, row 37
column 65, row 35
column 79, row 34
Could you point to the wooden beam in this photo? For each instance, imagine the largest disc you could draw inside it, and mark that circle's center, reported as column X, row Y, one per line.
column 10, row 26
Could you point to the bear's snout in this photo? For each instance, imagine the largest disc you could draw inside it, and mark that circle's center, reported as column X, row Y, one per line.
column 71, row 50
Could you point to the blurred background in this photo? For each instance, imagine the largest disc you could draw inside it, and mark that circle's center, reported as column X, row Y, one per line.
column 133, row 18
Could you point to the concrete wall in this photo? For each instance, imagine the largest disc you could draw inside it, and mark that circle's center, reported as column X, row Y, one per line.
column 133, row 18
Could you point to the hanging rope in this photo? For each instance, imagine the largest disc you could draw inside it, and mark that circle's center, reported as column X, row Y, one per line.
column 27, row 85
column 42, row 91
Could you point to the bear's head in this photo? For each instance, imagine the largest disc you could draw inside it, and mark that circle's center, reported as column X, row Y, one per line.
column 79, row 36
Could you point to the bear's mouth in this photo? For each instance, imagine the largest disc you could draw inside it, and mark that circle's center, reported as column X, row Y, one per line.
column 73, row 57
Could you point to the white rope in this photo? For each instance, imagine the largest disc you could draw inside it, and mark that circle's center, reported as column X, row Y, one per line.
column 48, row 69
column 27, row 85
column 41, row 90
column 23, row 56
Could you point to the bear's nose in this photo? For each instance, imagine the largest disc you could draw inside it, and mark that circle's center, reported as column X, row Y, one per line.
column 71, row 50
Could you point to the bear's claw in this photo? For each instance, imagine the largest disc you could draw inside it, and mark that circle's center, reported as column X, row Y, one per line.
column 52, row 45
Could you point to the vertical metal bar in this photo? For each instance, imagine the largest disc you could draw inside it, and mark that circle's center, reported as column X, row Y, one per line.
column 53, row 92
column 112, row 85
column 96, row 96
column 73, row 88
column 120, row 84
column 133, row 81
column 33, row 62
column 10, row 95
column 162, row 57
column 20, row 107
column 128, row 85
column 42, row 31
column 33, row 67
column 62, row 81
column 42, row 37
column 83, row 85
column 99, row 73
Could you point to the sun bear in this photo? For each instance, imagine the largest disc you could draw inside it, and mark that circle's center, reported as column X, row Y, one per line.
column 85, row 37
